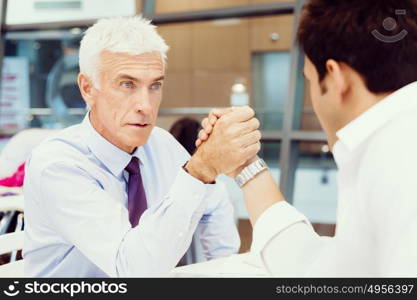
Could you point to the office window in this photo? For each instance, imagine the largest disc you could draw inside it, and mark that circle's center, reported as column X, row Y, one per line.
column 270, row 153
column 307, row 116
column 51, row 58
column 270, row 87
column 315, row 190
column 44, row 11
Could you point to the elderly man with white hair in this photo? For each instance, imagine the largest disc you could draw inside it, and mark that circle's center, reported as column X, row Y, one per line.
column 115, row 195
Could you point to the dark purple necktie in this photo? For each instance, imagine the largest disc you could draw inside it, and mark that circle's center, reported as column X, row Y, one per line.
column 136, row 202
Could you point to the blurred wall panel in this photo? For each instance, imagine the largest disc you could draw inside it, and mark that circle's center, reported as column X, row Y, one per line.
column 177, row 89
column 271, row 33
column 214, row 88
column 138, row 4
column 171, row 6
column 221, row 58
column 269, row 1
column 221, row 45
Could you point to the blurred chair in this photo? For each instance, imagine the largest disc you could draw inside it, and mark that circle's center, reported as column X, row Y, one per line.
column 14, row 154
column 16, row 151
column 12, row 203
column 8, row 207
column 11, row 242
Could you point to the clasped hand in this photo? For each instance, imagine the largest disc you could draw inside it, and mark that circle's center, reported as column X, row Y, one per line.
column 229, row 141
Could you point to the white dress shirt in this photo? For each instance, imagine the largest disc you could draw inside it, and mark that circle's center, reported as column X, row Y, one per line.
column 376, row 232
column 76, row 220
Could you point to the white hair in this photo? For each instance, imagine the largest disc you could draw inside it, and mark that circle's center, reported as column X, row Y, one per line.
column 132, row 35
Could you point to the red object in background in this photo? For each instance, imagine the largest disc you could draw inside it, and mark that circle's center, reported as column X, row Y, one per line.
column 16, row 179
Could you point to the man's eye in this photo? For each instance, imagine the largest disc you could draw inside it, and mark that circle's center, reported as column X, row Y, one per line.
column 127, row 84
column 156, row 86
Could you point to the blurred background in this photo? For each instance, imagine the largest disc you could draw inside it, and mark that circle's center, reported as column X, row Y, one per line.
column 223, row 53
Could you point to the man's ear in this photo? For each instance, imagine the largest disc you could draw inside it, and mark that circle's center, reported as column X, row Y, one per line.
column 86, row 88
column 336, row 76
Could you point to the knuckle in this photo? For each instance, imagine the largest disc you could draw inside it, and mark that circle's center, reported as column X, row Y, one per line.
column 212, row 114
column 200, row 134
column 222, row 121
column 249, row 110
column 231, row 130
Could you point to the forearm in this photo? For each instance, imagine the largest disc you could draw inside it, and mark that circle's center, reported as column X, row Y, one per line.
column 260, row 193
column 287, row 243
column 154, row 248
column 218, row 232
column 164, row 232
column 294, row 252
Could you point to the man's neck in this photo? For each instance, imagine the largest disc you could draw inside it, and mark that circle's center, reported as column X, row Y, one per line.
column 355, row 105
column 95, row 123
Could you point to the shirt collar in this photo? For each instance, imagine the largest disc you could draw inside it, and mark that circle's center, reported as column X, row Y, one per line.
column 357, row 131
column 114, row 158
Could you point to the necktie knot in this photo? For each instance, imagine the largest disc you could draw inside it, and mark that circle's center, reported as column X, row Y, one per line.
column 133, row 167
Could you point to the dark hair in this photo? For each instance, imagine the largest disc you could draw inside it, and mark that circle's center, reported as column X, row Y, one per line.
column 185, row 130
column 357, row 32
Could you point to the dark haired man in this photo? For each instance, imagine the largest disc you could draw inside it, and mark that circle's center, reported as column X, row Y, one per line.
column 361, row 63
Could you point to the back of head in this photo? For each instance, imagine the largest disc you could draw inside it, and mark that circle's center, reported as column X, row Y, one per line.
column 377, row 38
column 131, row 35
column 185, row 130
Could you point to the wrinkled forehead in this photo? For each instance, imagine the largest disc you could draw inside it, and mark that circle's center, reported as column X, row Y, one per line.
column 150, row 63
column 116, row 59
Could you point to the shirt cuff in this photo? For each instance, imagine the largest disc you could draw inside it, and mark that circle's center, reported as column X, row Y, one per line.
column 273, row 221
column 189, row 190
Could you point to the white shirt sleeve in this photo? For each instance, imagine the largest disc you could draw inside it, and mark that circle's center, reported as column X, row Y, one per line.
column 86, row 216
column 218, row 233
column 286, row 241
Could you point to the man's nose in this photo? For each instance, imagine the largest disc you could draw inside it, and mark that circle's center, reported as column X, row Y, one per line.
column 143, row 102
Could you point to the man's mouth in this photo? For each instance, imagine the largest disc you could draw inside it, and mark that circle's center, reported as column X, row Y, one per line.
column 139, row 125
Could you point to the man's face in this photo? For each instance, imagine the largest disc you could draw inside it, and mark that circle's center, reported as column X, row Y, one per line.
column 125, row 106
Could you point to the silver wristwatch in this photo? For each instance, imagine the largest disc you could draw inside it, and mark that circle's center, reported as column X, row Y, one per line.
column 250, row 171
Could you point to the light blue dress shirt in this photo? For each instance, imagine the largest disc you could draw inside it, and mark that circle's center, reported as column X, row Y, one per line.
column 76, row 217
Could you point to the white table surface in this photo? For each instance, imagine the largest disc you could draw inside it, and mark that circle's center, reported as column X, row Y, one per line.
column 238, row 265
column 11, row 202
column 5, row 189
